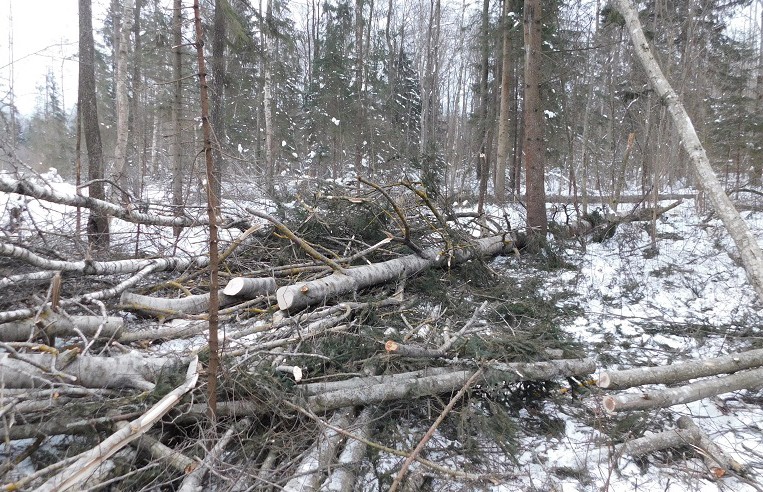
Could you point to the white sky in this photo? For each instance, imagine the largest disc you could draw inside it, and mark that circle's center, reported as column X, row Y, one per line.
column 44, row 37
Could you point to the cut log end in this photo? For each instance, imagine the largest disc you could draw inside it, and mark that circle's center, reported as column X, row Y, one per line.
column 285, row 298
column 610, row 404
column 604, row 380
column 234, row 286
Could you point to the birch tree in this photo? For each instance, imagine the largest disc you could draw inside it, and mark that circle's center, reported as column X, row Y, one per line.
column 749, row 249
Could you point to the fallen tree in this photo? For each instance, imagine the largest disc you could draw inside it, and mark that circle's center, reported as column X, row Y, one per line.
column 50, row 324
column 40, row 370
column 751, row 379
column 682, row 371
column 305, row 294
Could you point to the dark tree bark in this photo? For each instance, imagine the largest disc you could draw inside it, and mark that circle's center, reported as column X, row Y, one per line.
column 97, row 223
column 212, row 212
column 533, row 115
column 177, row 108
column 218, row 93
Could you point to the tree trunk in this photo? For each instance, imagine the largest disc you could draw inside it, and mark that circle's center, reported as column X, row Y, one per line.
column 122, row 104
column 366, row 391
column 751, row 380
column 177, row 112
column 97, row 223
column 217, row 95
column 213, row 206
column 52, row 324
column 125, row 371
column 749, row 249
column 504, row 137
column 682, row 371
column 267, row 100
column 534, row 148
column 305, row 294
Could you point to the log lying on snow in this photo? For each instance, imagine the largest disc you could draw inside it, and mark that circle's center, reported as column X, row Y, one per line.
column 680, row 372
column 368, row 391
column 130, row 370
column 688, row 433
column 169, row 306
column 750, row 379
column 53, row 324
column 305, row 294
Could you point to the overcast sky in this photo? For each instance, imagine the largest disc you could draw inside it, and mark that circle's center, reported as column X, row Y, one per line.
column 44, row 37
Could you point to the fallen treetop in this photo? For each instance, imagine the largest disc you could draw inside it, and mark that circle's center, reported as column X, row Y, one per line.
column 29, row 188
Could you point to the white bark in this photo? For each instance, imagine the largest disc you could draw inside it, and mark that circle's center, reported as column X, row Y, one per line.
column 304, row 294
column 130, row 370
column 309, row 473
column 342, row 478
column 746, row 243
column 367, row 391
column 165, row 306
column 87, row 267
column 751, row 380
column 688, row 433
column 249, row 288
column 55, row 325
column 28, row 188
column 682, row 371
column 79, row 471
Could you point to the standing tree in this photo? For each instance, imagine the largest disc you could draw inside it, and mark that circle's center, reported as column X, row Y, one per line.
column 217, row 88
column 97, row 223
column 122, row 103
column 503, row 120
column 533, row 117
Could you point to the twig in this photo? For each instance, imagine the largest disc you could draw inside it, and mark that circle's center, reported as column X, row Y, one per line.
column 432, row 428
column 306, row 247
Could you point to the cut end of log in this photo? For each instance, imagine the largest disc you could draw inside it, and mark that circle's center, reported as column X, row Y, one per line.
column 609, row 404
column 604, row 380
column 284, row 298
column 391, row 346
column 234, row 286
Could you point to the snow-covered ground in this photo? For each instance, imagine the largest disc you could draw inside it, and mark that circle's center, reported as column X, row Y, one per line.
column 689, row 301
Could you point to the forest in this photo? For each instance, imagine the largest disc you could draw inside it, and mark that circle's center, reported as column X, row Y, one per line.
column 407, row 245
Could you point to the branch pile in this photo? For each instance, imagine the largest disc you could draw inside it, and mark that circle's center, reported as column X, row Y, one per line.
column 338, row 316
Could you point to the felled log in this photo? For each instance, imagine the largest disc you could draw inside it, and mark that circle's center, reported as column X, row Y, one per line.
column 51, row 324
column 751, row 379
column 73, row 475
column 688, row 433
column 366, row 391
column 128, row 214
column 309, row 473
column 130, row 370
column 170, row 306
column 305, row 294
column 682, row 371
column 342, row 478
column 248, row 288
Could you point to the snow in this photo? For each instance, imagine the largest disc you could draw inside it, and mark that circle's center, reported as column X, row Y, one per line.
column 688, row 299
